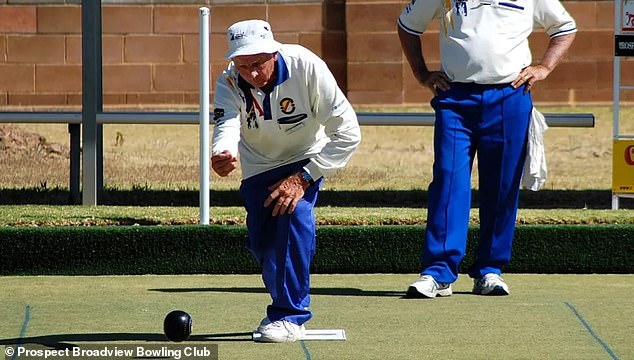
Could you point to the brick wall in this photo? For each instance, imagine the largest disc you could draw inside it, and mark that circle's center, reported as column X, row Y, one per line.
column 150, row 50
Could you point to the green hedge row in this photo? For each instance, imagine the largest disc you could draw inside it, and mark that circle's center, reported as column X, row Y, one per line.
column 352, row 249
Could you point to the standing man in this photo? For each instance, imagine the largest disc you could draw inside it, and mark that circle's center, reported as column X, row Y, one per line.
column 483, row 105
column 280, row 109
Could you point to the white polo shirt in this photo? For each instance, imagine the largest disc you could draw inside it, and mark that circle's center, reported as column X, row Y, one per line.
column 305, row 116
column 486, row 41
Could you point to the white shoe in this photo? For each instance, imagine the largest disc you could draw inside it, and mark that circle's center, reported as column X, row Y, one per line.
column 490, row 284
column 278, row 331
column 426, row 287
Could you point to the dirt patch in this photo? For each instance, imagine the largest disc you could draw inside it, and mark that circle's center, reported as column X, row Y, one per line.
column 18, row 143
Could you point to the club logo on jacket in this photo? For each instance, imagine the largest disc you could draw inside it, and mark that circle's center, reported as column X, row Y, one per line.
column 287, row 105
column 461, row 7
column 252, row 120
column 218, row 113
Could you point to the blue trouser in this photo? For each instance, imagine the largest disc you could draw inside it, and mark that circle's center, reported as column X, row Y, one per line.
column 492, row 122
column 283, row 245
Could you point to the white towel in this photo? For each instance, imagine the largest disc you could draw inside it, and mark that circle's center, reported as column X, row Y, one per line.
column 535, row 171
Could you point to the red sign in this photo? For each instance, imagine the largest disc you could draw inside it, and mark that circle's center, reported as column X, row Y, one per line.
column 629, row 155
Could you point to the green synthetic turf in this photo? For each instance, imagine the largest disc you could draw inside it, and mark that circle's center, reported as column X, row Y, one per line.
column 545, row 317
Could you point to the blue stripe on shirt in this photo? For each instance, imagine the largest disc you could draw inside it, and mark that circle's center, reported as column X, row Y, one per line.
column 564, row 32
column 408, row 30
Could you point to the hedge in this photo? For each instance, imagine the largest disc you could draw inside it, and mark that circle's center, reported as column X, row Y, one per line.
column 199, row 249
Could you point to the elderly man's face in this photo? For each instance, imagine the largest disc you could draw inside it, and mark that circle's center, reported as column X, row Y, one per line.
column 257, row 70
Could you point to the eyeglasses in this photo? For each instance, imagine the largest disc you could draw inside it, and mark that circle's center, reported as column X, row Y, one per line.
column 252, row 62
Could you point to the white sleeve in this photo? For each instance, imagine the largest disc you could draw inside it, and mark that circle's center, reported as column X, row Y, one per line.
column 417, row 15
column 334, row 112
column 226, row 132
column 553, row 17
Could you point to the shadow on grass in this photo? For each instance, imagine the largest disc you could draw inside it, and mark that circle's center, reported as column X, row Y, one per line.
column 544, row 199
column 257, row 290
column 67, row 341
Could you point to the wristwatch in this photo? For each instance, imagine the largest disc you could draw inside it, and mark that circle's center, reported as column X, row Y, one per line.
column 306, row 177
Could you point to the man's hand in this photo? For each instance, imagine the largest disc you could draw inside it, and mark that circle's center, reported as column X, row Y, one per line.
column 223, row 163
column 288, row 192
column 557, row 48
column 530, row 75
column 435, row 80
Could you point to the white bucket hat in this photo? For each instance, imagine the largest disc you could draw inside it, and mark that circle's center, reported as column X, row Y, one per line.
column 250, row 37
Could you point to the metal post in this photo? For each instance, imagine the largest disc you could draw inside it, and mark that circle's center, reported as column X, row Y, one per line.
column 204, row 115
column 75, row 158
column 92, row 95
column 616, row 91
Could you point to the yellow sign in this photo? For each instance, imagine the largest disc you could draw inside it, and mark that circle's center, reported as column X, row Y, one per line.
column 623, row 166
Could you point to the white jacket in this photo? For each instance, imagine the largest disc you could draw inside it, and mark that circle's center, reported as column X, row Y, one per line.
column 306, row 116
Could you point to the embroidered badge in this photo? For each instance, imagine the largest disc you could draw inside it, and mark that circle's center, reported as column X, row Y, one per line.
column 287, row 105
column 461, row 7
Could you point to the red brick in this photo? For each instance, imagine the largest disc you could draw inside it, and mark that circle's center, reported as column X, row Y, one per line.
column 127, row 19
column 605, row 71
column 335, row 15
column 113, row 99
column 217, row 48
column 40, row 49
column 287, row 37
column 59, row 19
column 63, row 78
column 14, row 77
column 312, row 41
column 567, row 75
column 431, row 45
column 295, row 17
column 3, row 48
column 584, row 13
column 216, row 71
column 413, row 92
column 539, row 43
column 605, row 11
column 154, row 98
column 193, row 98
column 340, row 72
column 598, row 96
column 73, row 49
column 37, row 99
column 190, row 48
column 18, row 19
column 358, row 98
column 175, row 77
column 74, row 99
column 176, row 19
column 592, row 44
column 111, row 48
column 334, row 45
column 127, row 78
column 374, row 47
column 372, row 16
column 222, row 16
column 374, row 76
column 3, row 98
column 551, row 96
column 152, row 49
